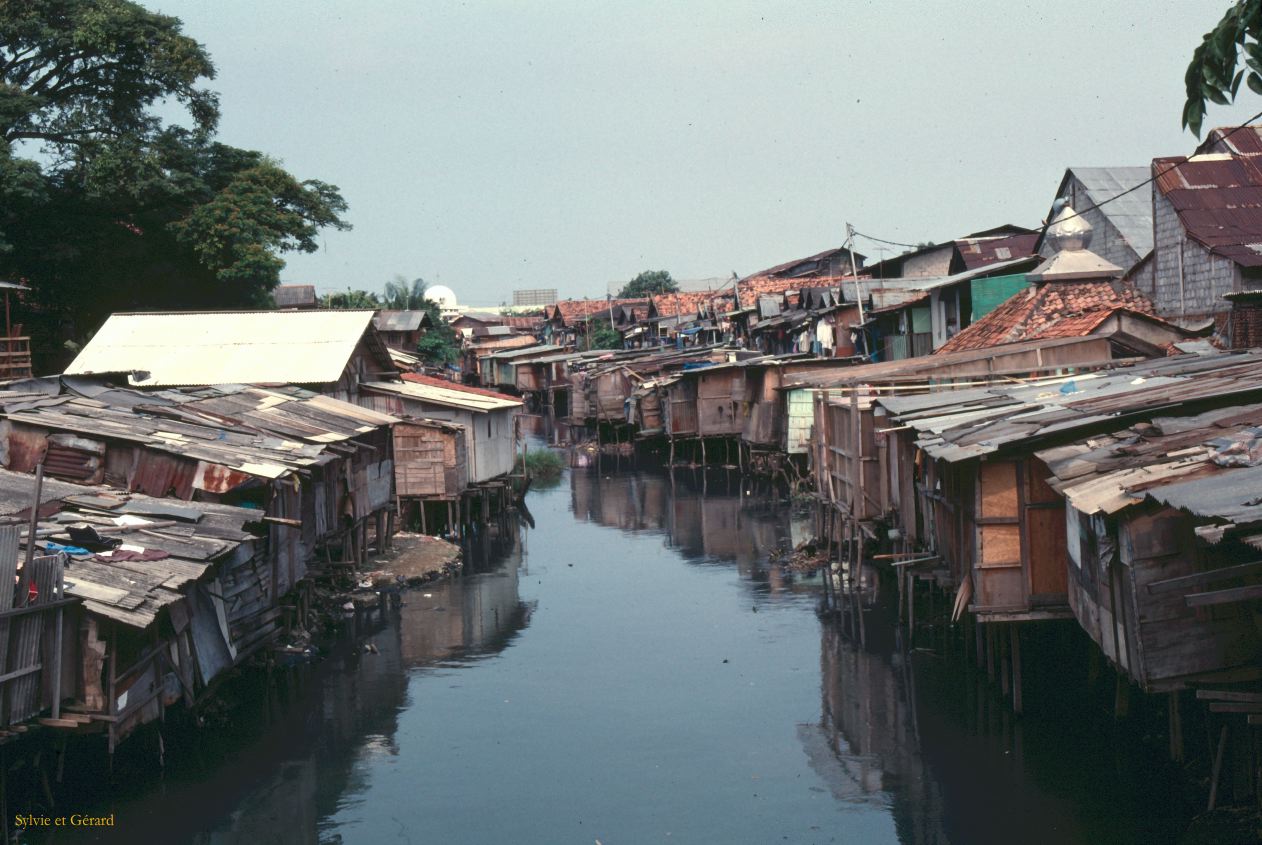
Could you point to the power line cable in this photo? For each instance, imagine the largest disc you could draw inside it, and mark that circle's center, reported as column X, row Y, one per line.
column 1103, row 202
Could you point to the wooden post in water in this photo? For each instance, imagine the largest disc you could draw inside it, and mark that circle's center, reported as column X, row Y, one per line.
column 1015, row 628
column 990, row 651
column 1175, row 716
column 1218, row 768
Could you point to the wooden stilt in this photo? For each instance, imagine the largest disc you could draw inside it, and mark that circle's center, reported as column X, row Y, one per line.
column 979, row 644
column 1121, row 698
column 424, row 526
column 1016, row 667
column 1005, row 666
column 990, row 652
column 1175, row 716
column 1218, row 768
column 911, row 610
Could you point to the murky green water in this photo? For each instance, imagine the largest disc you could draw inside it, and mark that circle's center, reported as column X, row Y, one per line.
column 633, row 670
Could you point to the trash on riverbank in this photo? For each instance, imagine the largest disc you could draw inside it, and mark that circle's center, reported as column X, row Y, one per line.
column 807, row 556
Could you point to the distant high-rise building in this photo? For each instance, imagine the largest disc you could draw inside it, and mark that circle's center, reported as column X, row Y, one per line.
column 535, row 296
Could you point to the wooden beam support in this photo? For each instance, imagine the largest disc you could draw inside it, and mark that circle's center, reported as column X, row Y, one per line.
column 1228, row 596
column 1206, row 577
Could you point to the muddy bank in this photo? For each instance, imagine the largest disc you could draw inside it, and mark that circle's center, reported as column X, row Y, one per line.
column 324, row 605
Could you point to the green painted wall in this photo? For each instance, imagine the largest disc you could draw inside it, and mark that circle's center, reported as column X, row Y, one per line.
column 920, row 321
column 988, row 293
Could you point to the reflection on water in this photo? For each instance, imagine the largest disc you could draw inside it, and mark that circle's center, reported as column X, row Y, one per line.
column 704, row 516
column 636, row 669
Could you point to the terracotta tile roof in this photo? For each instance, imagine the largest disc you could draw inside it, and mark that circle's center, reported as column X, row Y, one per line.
column 685, row 303
column 434, row 381
column 572, row 310
column 530, row 321
column 757, row 286
column 1054, row 309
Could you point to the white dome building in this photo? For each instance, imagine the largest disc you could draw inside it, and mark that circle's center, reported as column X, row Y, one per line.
column 444, row 297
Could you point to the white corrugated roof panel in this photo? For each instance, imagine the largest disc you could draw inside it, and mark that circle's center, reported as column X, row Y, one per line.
column 225, row 347
column 443, row 396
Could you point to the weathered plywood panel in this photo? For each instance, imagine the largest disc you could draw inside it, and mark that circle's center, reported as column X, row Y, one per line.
column 1049, row 575
column 999, row 588
column 1001, row 545
column 998, row 489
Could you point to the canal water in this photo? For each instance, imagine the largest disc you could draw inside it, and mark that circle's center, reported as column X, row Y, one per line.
column 638, row 668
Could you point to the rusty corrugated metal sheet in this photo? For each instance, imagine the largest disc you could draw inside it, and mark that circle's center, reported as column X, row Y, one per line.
column 163, row 475
column 1245, row 140
column 979, row 252
column 1218, row 197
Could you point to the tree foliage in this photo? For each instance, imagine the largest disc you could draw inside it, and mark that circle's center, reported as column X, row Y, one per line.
column 104, row 206
column 603, row 336
column 402, row 295
column 648, row 282
column 438, row 347
column 1213, row 73
column 351, row 300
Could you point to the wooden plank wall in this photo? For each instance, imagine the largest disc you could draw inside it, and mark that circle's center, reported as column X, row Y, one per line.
column 998, row 571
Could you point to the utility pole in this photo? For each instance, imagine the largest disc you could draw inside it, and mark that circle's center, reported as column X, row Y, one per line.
column 854, row 270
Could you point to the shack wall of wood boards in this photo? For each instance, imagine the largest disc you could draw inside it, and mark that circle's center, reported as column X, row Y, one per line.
column 172, row 523
column 1124, row 497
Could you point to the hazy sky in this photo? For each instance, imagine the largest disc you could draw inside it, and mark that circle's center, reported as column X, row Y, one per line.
column 489, row 146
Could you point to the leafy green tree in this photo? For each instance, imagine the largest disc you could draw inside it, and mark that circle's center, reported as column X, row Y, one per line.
column 104, row 206
column 1212, row 74
column 648, row 282
column 438, row 346
column 351, row 300
column 402, row 295
column 603, row 336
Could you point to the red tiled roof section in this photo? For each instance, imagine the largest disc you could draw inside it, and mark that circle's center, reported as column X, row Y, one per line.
column 580, row 309
column 685, row 303
column 1054, row 309
column 434, row 381
column 757, row 286
column 532, row 321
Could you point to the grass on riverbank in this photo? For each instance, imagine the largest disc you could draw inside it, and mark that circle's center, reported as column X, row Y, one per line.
column 543, row 465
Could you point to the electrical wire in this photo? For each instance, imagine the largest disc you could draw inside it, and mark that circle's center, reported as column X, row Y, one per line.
column 1103, row 202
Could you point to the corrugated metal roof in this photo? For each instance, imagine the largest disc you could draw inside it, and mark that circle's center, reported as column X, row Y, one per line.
column 225, row 347
column 1218, row 197
column 1057, row 406
column 977, row 253
column 542, row 349
column 443, row 396
column 400, row 321
column 294, row 296
column 1130, row 213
